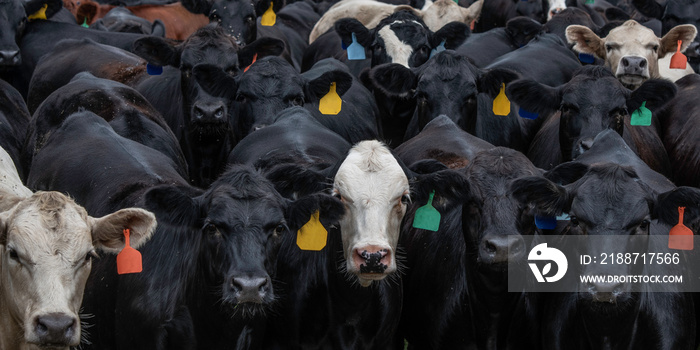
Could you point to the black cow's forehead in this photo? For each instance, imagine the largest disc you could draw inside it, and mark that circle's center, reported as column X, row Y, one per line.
column 600, row 91
column 219, row 54
column 271, row 77
column 446, row 67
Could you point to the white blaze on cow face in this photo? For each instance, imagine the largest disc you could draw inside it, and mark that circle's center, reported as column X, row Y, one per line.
column 372, row 185
column 46, row 247
column 397, row 50
column 631, row 50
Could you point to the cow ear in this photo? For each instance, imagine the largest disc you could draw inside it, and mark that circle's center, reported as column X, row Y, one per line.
column 393, row 79
column 160, row 51
column 318, row 87
column 472, row 12
column 108, row 231
column 262, row 47
column 346, row 26
column 174, row 205
column 330, row 210
column 293, row 180
column 566, row 173
column 215, row 81
column 451, row 187
column 548, row 197
column 669, row 42
column 656, row 92
column 86, row 12
column 522, row 29
column 666, row 207
column 158, row 29
column 453, row 33
column 198, row 6
column 490, row 81
column 262, row 5
column 533, row 96
column 585, row 40
column 52, row 7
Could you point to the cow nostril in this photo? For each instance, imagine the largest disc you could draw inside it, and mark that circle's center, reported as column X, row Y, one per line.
column 642, row 63
column 586, row 144
column 517, row 247
column 490, row 247
column 625, row 62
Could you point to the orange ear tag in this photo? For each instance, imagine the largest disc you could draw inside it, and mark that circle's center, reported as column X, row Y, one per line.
column 312, row 236
column 680, row 237
column 129, row 259
column 269, row 17
column 331, row 103
column 501, row 104
column 678, row 60
column 471, row 25
column 255, row 58
column 41, row 14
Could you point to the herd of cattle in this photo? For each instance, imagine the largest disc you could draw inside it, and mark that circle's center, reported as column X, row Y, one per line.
column 268, row 160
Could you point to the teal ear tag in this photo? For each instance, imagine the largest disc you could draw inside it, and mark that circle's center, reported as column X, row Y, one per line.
column 439, row 48
column 590, row 2
column 642, row 116
column 85, row 23
column 427, row 217
column 355, row 51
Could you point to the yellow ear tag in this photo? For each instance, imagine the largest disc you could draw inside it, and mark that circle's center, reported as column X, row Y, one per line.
column 331, row 103
column 41, row 14
column 269, row 17
column 501, row 105
column 312, row 236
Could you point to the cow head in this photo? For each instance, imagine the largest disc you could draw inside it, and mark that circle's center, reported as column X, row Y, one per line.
column 236, row 17
column 269, row 86
column 13, row 19
column 442, row 12
column 447, row 84
column 237, row 226
column 401, row 38
column 683, row 12
column 631, row 50
column 47, row 243
column 206, row 115
column 591, row 102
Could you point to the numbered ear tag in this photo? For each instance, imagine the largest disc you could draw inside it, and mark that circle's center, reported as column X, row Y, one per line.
column 355, row 50
column 527, row 115
column 152, row 69
column 312, row 236
column 545, row 222
column 678, row 60
column 438, row 49
column 680, row 237
column 501, row 104
column 85, row 25
column 586, row 58
column 255, row 58
column 331, row 103
column 427, row 217
column 642, row 116
column 41, row 14
column 129, row 259
column 269, row 17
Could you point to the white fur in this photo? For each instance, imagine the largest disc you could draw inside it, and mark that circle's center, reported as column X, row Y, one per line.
column 554, row 5
column 371, row 184
column 9, row 179
column 395, row 48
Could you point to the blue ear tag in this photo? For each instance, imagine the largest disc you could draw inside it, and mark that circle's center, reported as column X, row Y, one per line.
column 527, row 115
column 342, row 45
column 545, row 222
column 586, row 58
column 439, row 48
column 355, row 51
column 563, row 217
column 152, row 69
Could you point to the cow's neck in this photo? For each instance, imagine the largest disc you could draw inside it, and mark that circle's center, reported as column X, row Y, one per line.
column 10, row 331
column 609, row 330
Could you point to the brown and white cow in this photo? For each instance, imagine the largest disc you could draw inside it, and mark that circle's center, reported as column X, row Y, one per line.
column 47, row 243
column 631, row 50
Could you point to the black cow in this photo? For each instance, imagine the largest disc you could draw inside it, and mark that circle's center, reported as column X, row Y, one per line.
column 613, row 198
column 293, row 25
column 14, row 120
column 271, row 85
column 14, row 21
column 207, row 279
column 591, row 102
column 495, row 14
column 129, row 114
column 120, row 19
column 484, row 48
column 447, row 84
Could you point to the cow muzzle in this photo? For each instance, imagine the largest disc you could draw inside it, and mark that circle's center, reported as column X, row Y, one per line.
column 10, row 58
column 632, row 70
column 55, row 330
column 373, row 262
column 498, row 250
column 605, row 292
column 251, row 289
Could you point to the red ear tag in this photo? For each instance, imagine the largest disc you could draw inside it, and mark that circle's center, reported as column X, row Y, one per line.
column 471, row 25
column 129, row 259
column 255, row 58
column 680, row 237
column 678, row 60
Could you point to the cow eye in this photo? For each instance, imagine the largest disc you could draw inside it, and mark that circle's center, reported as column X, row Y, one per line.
column 296, row 101
column 573, row 221
column 89, row 256
column 187, row 72
column 241, row 98
column 279, row 229
column 250, row 19
column 644, row 225
column 656, row 48
column 13, row 255
column 232, row 70
column 336, row 194
column 405, row 199
column 210, row 229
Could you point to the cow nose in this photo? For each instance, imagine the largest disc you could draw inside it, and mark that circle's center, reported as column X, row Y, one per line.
column 55, row 328
column 604, row 291
column 633, row 65
column 555, row 11
column 209, row 112
column 10, row 58
column 372, row 259
column 501, row 248
column 250, row 289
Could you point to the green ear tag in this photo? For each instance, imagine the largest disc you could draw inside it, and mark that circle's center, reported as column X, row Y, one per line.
column 589, row 2
column 427, row 217
column 85, row 25
column 642, row 116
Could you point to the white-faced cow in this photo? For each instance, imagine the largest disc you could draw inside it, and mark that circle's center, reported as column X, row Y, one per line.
column 631, row 50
